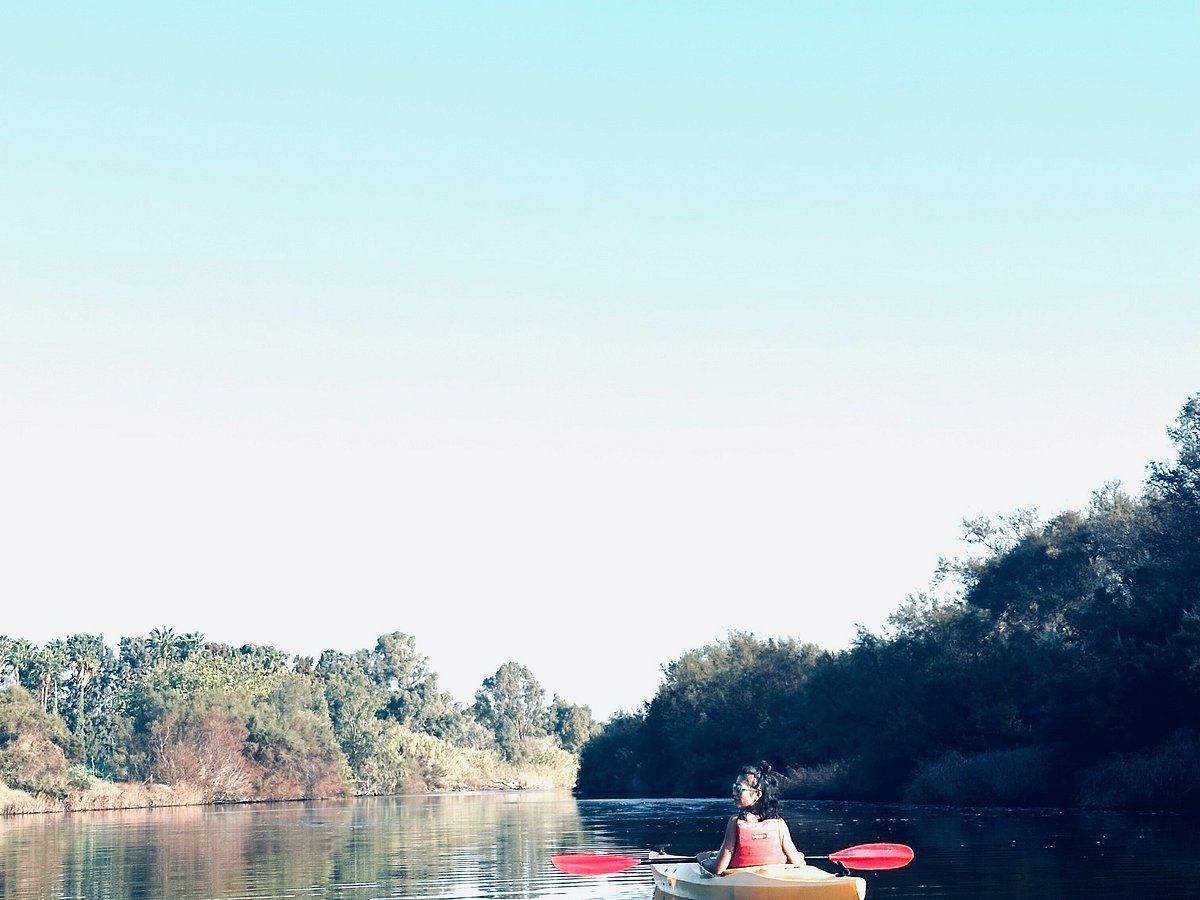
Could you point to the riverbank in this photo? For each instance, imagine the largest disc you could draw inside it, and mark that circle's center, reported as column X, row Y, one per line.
column 107, row 795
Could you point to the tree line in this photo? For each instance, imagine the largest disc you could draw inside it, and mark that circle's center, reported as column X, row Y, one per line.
column 214, row 722
column 1057, row 664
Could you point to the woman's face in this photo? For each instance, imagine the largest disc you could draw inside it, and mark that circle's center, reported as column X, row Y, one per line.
column 745, row 792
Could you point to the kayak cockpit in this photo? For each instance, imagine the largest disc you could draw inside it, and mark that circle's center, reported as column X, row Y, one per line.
column 690, row 881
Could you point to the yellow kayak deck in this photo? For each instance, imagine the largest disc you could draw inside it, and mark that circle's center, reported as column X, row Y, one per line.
column 689, row 881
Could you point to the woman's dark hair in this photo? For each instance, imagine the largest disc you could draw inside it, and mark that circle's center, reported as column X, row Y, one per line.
column 768, row 782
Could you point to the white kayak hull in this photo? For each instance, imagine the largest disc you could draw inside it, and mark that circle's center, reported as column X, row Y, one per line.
column 689, row 881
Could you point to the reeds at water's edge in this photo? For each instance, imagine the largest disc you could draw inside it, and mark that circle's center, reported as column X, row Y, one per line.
column 105, row 796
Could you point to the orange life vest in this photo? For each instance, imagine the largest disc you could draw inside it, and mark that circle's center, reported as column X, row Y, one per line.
column 758, row 844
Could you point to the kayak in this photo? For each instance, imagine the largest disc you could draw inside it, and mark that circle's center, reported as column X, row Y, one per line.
column 689, row 881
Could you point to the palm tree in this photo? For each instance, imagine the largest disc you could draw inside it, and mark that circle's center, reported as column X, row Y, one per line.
column 5, row 649
column 263, row 657
column 17, row 654
column 84, row 668
column 54, row 659
column 163, row 644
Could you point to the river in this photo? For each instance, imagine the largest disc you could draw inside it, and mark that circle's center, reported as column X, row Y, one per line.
column 498, row 846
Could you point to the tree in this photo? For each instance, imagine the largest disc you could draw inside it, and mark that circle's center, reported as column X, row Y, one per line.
column 134, row 653
column 6, row 644
column 46, row 669
column 612, row 763
column 265, row 659
column 513, row 705
column 725, row 702
column 189, row 644
column 1174, row 497
column 353, row 700
column 572, row 725
column 398, row 668
column 87, row 658
column 1182, row 479
column 162, row 645
column 15, row 655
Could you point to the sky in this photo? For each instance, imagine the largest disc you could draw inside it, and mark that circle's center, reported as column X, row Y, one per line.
column 579, row 335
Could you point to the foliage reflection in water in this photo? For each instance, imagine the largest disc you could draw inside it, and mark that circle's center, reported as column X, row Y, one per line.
column 499, row 846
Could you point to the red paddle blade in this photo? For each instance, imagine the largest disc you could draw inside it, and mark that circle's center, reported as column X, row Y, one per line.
column 592, row 863
column 874, row 856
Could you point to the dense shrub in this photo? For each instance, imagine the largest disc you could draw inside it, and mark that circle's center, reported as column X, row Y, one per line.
column 825, row 781
column 1165, row 777
column 291, row 738
column 205, row 748
column 1022, row 777
column 32, row 742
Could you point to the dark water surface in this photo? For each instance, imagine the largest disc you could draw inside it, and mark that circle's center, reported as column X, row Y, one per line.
column 499, row 845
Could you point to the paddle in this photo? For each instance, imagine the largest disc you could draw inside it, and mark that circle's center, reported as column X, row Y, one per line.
column 876, row 857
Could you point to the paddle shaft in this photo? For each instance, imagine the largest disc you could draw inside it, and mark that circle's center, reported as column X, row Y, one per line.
column 679, row 859
column 862, row 856
column 665, row 859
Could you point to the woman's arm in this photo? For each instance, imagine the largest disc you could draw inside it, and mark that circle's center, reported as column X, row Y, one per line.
column 718, row 862
column 794, row 856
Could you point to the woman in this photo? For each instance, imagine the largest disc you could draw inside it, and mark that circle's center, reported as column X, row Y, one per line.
column 756, row 835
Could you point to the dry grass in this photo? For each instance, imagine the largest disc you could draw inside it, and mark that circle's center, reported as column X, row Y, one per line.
column 134, row 796
column 100, row 796
column 14, row 802
column 547, row 768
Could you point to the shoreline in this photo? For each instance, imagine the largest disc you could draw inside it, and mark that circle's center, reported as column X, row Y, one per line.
column 117, row 796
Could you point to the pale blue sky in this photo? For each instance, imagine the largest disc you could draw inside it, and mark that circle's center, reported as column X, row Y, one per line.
column 479, row 320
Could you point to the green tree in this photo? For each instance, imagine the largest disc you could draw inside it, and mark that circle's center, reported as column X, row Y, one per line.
column 189, row 644
column 613, row 762
column 56, row 657
column 91, row 665
column 572, row 725
column 721, row 705
column 266, row 659
column 1174, row 498
column 6, row 645
column 353, row 700
column 134, row 653
column 44, row 673
column 513, row 705
column 162, row 645
column 16, row 654
column 402, row 671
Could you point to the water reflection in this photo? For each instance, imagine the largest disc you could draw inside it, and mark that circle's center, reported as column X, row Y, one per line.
column 499, row 845
column 429, row 846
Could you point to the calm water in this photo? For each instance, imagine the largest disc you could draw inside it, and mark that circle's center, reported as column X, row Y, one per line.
column 498, row 846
